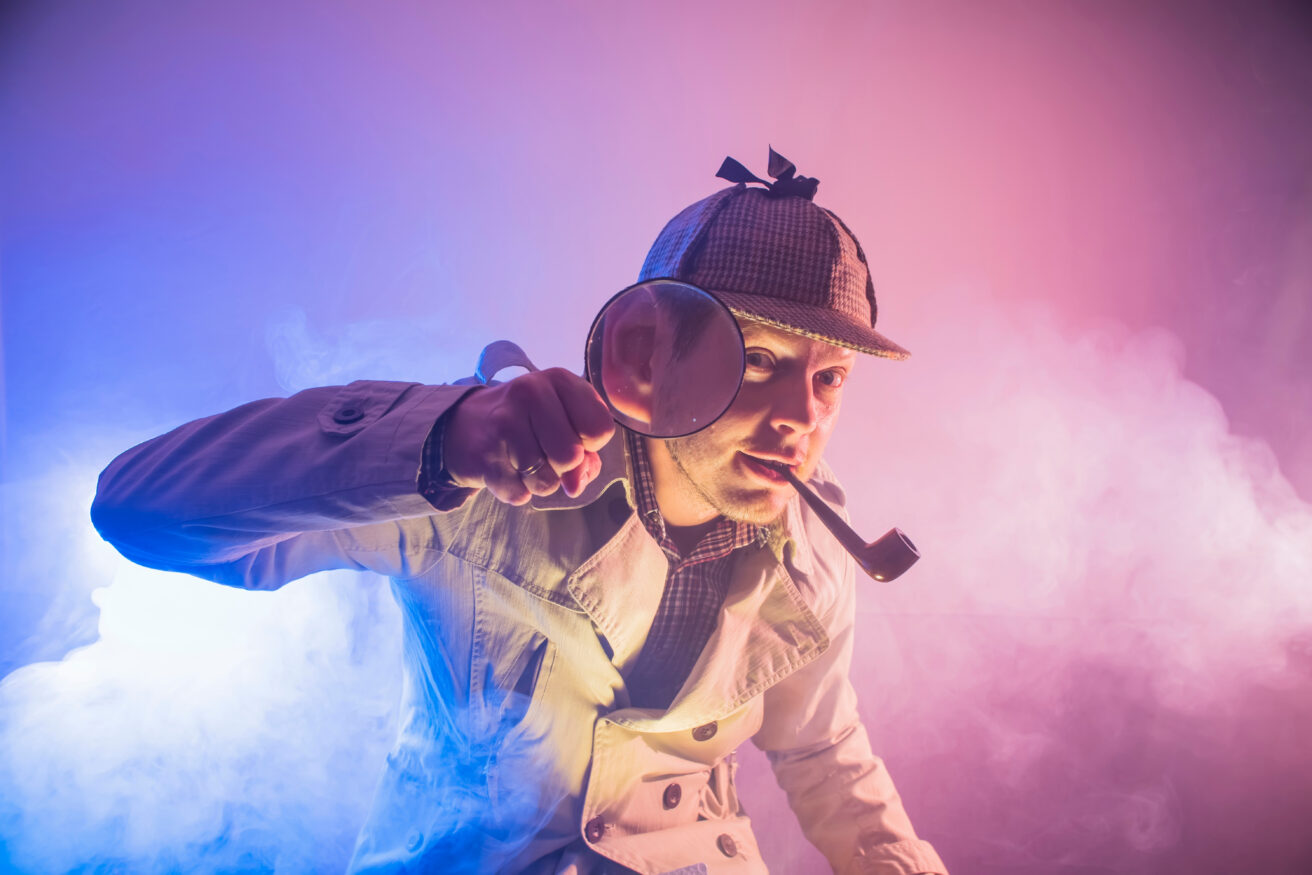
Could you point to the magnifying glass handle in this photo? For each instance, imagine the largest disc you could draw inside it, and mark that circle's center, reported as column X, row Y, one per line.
column 884, row 559
column 499, row 355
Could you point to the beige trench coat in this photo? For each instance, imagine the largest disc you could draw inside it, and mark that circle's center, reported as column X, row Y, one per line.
column 518, row 750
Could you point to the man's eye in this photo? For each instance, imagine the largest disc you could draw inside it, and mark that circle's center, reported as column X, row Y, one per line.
column 831, row 379
column 760, row 361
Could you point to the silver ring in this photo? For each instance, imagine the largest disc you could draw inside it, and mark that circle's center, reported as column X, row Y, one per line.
column 532, row 469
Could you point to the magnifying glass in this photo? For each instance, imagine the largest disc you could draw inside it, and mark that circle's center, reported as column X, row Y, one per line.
column 667, row 357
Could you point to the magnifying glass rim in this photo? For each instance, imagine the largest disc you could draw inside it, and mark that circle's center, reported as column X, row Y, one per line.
column 601, row 390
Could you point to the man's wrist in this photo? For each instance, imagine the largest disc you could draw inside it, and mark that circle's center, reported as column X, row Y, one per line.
column 435, row 482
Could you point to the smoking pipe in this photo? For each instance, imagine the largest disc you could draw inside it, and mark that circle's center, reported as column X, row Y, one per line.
column 884, row 559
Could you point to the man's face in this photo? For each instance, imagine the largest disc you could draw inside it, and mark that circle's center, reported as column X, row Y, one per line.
column 785, row 412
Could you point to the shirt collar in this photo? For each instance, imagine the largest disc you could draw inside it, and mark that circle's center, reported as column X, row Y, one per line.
column 727, row 533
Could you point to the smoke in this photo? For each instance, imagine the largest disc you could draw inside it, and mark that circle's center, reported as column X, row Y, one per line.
column 1101, row 662
column 418, row 350
column 1073, row 476
column 205, row 730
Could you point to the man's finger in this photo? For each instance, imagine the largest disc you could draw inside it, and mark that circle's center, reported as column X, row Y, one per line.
column 585, row 409
column 507, row 486
column 575, row 480
column 560, row 442
column 528, row 461
column 542, row 481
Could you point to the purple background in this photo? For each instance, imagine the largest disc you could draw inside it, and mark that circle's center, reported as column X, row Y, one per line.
column 1089, row 221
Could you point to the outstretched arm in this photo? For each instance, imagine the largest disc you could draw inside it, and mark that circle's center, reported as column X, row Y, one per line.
column 279, row 488
column 336, row 477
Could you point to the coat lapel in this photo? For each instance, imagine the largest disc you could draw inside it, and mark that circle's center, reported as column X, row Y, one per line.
column 620, row 586
column 765, row 632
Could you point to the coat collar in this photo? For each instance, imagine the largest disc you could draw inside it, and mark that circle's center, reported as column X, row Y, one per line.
column 766, row 630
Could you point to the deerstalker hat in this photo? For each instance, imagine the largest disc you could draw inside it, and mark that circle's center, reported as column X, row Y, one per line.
column 774, row 256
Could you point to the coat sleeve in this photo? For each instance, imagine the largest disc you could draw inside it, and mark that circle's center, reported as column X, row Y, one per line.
column 814, row 739
column 284, row 487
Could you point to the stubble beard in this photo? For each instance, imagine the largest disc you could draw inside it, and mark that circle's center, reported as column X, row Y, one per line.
column 743, row 505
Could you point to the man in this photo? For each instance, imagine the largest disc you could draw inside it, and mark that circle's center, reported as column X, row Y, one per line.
column 593, row 621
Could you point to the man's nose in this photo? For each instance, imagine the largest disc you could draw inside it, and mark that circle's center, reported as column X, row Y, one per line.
column 795, row 408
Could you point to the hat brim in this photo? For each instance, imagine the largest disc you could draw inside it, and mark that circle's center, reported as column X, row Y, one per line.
column 818, row 323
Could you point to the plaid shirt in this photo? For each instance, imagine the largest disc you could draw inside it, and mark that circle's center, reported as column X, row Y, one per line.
column 695, row 587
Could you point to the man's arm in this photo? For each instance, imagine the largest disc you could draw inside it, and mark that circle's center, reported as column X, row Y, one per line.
column 812, row 734
column 280, row 488
column 332, row 477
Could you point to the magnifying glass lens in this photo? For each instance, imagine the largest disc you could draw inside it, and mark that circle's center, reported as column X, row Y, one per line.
column 666, row 357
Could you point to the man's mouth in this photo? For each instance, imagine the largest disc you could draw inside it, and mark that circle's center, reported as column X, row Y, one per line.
column 766, row 468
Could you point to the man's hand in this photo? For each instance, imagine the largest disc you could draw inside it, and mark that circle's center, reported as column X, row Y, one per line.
column 528, row 436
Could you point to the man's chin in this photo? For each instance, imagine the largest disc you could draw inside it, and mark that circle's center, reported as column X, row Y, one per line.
column 759, row 508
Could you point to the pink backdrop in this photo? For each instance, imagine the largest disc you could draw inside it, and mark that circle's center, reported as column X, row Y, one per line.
column 1088, row 221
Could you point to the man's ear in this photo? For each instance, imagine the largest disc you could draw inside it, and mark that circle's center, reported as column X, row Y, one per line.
column 626, row 369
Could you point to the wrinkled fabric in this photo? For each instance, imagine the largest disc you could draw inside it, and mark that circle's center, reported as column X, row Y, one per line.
column 518, row 749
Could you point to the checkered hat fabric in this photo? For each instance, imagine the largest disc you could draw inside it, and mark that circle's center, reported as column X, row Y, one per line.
column 779, row 260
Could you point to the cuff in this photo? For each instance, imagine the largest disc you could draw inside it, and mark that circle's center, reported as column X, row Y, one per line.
column 434, row 483
column 907, row 857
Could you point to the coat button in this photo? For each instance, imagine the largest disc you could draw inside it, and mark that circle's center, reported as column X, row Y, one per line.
column 728, row 846
column 595, row 829
column 413, row 840
column 673, row 793
column 705, row 733
column 348, row 415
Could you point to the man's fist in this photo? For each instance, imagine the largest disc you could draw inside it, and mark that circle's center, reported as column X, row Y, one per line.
column 528, row 436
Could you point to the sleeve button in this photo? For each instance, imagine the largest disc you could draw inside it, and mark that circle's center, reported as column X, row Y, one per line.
column 348, row 415
column 670, row 798
column 727, row 845
column 705, row 732
column 595, row 829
